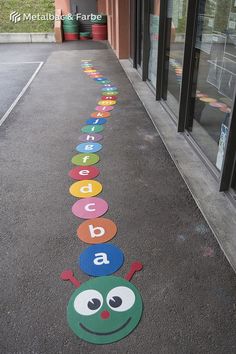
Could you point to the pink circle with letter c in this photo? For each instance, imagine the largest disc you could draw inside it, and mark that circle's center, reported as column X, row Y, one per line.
column 104, row 108
column 90, row 208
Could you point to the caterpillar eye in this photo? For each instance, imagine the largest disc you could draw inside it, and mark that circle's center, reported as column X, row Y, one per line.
column 88, row 302
column 115, row 302
column 120, row 299
column 94, row 304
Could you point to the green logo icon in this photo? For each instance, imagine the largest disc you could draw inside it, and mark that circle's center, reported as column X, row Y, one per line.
column 105, row 309
column 85, row 159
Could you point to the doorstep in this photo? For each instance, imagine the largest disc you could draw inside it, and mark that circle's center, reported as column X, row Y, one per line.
column 204, row 188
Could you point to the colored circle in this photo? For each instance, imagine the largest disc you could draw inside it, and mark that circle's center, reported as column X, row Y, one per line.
column 112, row 93
column 90, row 137
column 107, row 89
column 85, row 159
column 104, row 109
column 101, row 260
column 90, row 208
column 101, row 79
column 208, row 99
column 199, row 95
column 115, row 312
column 109, row 98
column 90, row 71
column 85, row 189
column 84, row 173
column 89, row 147
column 218, row 105
column 104, row 82
column 97, row 231
column 100, row 115
column 92, row 129
column 98, row 121
column 107, row 103
column 95, row 76
column 225, row 109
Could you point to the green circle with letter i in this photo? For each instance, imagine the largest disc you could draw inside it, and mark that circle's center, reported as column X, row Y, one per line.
column 92, row 129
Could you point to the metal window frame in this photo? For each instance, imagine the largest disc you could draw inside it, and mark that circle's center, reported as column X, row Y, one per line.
column 139, row 29
column 135, row 31
column 161, row 51
column 229, row 166
column 146, row 38
column 188, row 87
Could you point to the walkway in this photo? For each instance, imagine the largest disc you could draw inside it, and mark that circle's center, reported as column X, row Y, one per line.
column 187, row 286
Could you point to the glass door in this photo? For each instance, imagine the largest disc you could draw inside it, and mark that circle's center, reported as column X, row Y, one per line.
column 154, row 19
column 214, row 77
column 175, row 41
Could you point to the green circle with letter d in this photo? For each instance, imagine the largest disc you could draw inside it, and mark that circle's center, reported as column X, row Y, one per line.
column 104, row 310
column 92, row 129
column 85, row 159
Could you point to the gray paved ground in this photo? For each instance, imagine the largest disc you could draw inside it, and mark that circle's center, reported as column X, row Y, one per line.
column 188, row 288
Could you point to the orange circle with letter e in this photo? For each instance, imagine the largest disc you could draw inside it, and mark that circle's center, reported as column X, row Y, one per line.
column 97, row 231
column 106, row 103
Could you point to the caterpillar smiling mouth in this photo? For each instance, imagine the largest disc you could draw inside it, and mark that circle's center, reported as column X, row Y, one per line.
column 107, row 333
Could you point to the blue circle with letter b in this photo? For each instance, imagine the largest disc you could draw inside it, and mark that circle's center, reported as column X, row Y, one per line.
column 102, row 259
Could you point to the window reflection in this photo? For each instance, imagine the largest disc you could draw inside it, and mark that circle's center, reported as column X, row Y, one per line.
column 215, row 54
column 154, row 37
column 176, row 27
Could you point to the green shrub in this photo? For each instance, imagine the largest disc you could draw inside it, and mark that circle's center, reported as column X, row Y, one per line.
column 35, row 7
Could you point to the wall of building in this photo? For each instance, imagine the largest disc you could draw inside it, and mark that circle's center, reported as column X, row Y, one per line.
column 117, row 19
column 63, row 5
column 118, row 25
column 101, row 4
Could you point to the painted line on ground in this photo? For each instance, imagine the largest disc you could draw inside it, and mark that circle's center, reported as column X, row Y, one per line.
column 2, row 120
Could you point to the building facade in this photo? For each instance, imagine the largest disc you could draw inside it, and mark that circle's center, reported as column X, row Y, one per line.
column 185, row 50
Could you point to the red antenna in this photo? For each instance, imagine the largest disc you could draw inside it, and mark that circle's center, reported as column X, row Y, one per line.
column 68, row 275
column 135, row 267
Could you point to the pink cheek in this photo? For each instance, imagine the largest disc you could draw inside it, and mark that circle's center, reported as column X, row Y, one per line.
column 105, row 315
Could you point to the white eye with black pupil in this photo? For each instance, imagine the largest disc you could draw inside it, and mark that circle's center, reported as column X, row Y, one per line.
column 94, row 304
column 116, row 301
column 88, row 302
column 120, row 299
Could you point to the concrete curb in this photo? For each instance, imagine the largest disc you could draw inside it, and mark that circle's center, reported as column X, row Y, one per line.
column 27, row 37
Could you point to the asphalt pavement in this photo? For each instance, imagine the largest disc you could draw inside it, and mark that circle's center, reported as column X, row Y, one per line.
column 188, row 287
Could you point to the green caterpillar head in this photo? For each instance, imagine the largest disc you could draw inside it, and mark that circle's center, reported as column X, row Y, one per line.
column 104, row 309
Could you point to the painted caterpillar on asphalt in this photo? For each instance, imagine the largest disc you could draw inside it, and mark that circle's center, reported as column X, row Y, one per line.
column 106, row 308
